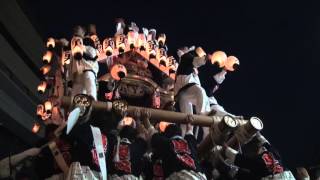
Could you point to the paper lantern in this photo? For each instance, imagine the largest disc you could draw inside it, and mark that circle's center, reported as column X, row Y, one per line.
column 40, row 110
column 128, row 121
column 65, row 57
column 95, row 39
column 162, row 57
column 118, row 71
column 161, row 40
column 163, row 125
column 231, row 63
column 141, row 42
column 151, row 49
column 51, row 43
column 200, row 52
column 121, row 43
column 219, row 58
column 42, row 87
column 132, row 38
column 48, row 106
column 108, row 46
column 45, row 69
column 77, row 48
column 47, row 57
column 35, row 127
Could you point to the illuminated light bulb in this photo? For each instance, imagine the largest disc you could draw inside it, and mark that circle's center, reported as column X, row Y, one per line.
column 118, row 71
column 35, row 127
column 42, row 87
column 132, row 38
column 48, row 106
column 51, row 43
column 47, row 57
column 45, row 69
column 40, row 110
column 108, row 46
column 232, row 63
column 141, row 42
column 77, row 48
column 219, row 58
column 162, row 40
column 163, row 125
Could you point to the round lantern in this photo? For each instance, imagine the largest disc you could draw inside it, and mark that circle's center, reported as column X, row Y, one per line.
column 232, row 63
column 108, row 46
column 40, row 110
column 48, row 106
column 141, row 42
column 77, row 48
column 42, row 87
column 162, row 40
column 51, row 43
column 219, row 58
column 35, row 127
column 132, row 38
column 118, row 71
column 45, row 69
column 200, row 52
column 47, row 57
column 163, row 125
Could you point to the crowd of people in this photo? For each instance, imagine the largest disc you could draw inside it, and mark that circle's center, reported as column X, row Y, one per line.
column 113, row 146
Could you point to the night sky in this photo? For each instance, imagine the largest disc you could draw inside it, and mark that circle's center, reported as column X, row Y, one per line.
column 277, row 44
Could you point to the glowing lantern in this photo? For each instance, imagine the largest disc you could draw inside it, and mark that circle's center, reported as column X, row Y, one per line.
column 151, row 49
column 162, row 40
column 47, row 57
column 118, row 71
column 163, row 125
column 77, row 48
column 48, row 106
column 141, row 42
column 42, row 87
column 128, row 121
column 132, row 38
column 120, row 43
column 162, row 56
column 219, row 58
column 45, row 69
column 108, row 46
column 200, row 52
column 172, row 67
column 40, row 110
column 51, row 43
column 35, row 127
column 95, row 39
column 65, row 57
column 232, row 63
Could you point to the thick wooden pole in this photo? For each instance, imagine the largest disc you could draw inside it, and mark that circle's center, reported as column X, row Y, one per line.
column 156, row 114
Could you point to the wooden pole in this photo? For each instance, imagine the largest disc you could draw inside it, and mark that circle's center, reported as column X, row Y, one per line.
column 156, row 114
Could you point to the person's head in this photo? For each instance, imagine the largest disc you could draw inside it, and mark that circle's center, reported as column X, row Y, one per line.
column 172, row 130
column 128, row 132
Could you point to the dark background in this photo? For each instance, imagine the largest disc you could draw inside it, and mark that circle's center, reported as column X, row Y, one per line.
column 277, row 43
